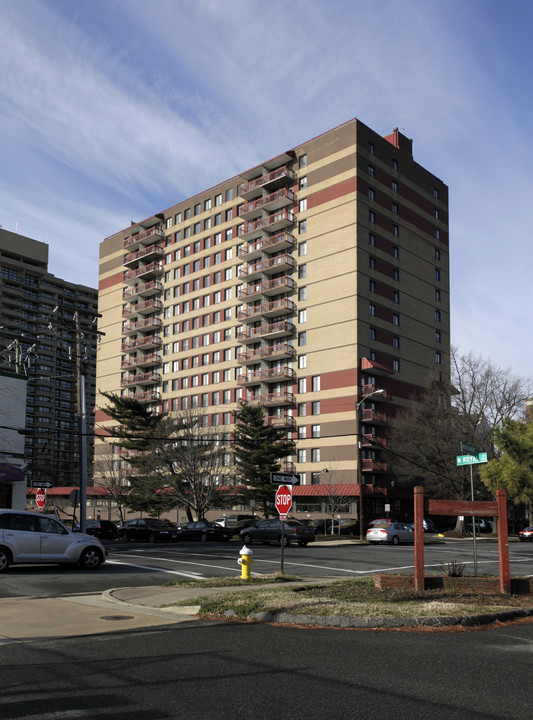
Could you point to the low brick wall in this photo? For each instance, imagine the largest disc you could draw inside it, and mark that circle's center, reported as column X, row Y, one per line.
column 519, row 586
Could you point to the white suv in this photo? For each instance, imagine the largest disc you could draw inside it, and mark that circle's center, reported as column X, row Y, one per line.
column 28, row 537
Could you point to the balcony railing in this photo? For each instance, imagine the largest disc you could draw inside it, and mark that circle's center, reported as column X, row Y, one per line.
column 371, row 465
column 270, row 399
column 141, row 325
column 275, row 264
column 281, row 350
column 276, row 221
column 277, row 307
column 269, row 375
column 271, row 202
column 150, row 288
column 141, row 379
column 146, row 396
column 283, row 327
column 145, row 341
column 374, row 366
column 142, row 307
column 280, row 420
column 271, row 287
column 369, row 415
column 145, row 236
column 280, row 175
column 279, row 241
column 369, row 389
column 155, row 268
column 141, row 360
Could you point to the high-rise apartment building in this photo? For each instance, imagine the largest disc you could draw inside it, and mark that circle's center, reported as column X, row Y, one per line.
column 45, row 325
column 304, row 284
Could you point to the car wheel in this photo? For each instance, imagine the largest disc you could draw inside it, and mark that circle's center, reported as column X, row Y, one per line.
column 247, row 539
column 286, row 541
column 302, row 543
column 5, row 559
column 124, row 537
column 152, row 538
column 395, row 540
column 203, row 537
column 91, row 558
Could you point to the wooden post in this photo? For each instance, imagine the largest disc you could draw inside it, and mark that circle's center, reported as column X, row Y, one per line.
column 419, row 537
column 503, row 543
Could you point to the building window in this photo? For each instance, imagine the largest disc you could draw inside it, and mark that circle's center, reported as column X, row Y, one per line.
column 302, row 316
column 302, row 271
column 302, row 385
column 302, row 293
column 371, row 309
column 394, row 164
column 315, row 383
column 302, row 226
column 437, row 274
column 437, row 295
column 302, row 161
column 303, row 182
column 218, row 199
column 302, row 456
column 396, row 365
column 315, row 431
column 371, row 194
column 396, row 297
column 437, row 254
column 371, row 148
column 315, row 407
column 395, row 208
column 437, row 336
column 371, row 171
column 437, row 315
column 302, row 432
column 396, row 231
column 437, row 234
column 395, row 319
column 372, row 286
column 435, row 192
column 396, row 342
column 372, row 333
column 302, row 362
column 302, row 409
column 302, row 249
column 372, row 239
column 302, row 339
column 372, row 263
column 396, row 274
column 315, row 454
column 394, row 186
column 229, row 194
column 396, row 252
column 302, row 205
column 371, row 216
column 438, row 358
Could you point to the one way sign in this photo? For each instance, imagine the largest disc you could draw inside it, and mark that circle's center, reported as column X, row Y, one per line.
column 281, row 478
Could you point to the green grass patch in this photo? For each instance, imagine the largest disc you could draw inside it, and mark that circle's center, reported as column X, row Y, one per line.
column 234, row 581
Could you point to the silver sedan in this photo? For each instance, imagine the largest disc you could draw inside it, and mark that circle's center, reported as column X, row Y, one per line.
column 393, row 533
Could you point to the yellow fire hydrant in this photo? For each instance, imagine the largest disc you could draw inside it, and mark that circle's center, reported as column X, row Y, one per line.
column 245, row 561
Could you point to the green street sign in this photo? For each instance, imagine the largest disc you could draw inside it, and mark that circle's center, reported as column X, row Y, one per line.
column 469, row 449
column 472, row 459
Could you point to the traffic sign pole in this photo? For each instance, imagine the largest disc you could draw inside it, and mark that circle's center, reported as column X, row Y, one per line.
column 283, row 505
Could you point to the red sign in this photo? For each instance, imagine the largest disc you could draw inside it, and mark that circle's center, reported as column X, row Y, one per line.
column 284, row 500
column 40, row 498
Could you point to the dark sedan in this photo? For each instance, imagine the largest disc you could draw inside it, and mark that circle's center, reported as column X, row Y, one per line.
column 204, row 531
column 102, row 529
column 268, row 531
column 148, row 530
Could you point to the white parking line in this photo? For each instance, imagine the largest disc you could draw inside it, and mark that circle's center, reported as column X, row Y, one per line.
column 185, row 562
column 156, row 569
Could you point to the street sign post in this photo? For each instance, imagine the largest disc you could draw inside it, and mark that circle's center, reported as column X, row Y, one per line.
column 281, row 478
column 468, row 449
column 284, row 500
column 42, row 484
column 40, row 498
column 474, row 458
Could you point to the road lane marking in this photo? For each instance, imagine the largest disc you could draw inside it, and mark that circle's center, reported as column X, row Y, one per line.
column 195, row 576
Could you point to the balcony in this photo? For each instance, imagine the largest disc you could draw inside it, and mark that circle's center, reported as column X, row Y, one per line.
column 375, row 441
column 270, row 287
column 376, row 367
column 279, row 351
column 141, row 361
column 146, row 396
column 277, row 307
column 149, row 323
column 371, row 465
column 145, row 271
column 152, row 252
column 268, row 266
column 281, row 421
column 274, row 201
column 369, row 389
column 278, row 329
column 269, row 375
column 144, row 238
column 146, row 342
column 149, row 378
column 271, row 181
column 154, row 287
column 273, row 243
column 270, row 223
column 142, row 308
column 369, row 415
column 270, row 399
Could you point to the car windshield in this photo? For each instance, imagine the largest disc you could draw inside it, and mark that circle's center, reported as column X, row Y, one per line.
column 381, row 526
column 156, row 522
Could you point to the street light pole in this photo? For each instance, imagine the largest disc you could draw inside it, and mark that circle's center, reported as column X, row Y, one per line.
column 359, row 459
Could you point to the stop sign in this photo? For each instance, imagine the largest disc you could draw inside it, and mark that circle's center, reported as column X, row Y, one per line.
column 284, row 499
column 40, row 498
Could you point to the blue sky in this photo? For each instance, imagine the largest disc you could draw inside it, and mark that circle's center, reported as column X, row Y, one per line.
column 111, row 110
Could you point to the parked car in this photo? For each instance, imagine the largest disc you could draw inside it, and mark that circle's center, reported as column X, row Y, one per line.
column 27, row 537
column 102, row 529
column 526, row 534
column 427, row 523
column 203, row 530
column 482, row 525
column 235, row 523
column 379, row 521
column 393, row 532
column 345, row 526
column 148, row 530
column 267, row 531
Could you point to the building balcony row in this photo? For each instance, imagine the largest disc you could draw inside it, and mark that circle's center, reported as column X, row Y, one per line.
column 369, row 415
column 272, row 243
column 276, row 307
column 270, row 223
column 144, row 342
column 273, row 201
column 154, row 287
column 371, row 465
column 150, row 270
column 278, row 351
column 270, row 287
column 148, row 323
column 145, row 396
column 278, row 374
column 269, row 265
column 148, row 378
column 142, row 308
column 277, row 329
column 151, row 252
column 141, row 361
column 376, row 367
column 268, row 182
column 144, row 238
column 269, row 399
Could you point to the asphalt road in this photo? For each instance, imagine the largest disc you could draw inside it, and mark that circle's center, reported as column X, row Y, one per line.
column 225, row 671
column 138, row 565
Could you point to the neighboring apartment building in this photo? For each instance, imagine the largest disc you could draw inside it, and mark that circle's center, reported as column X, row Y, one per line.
column 303, row 284
column 45, row 325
